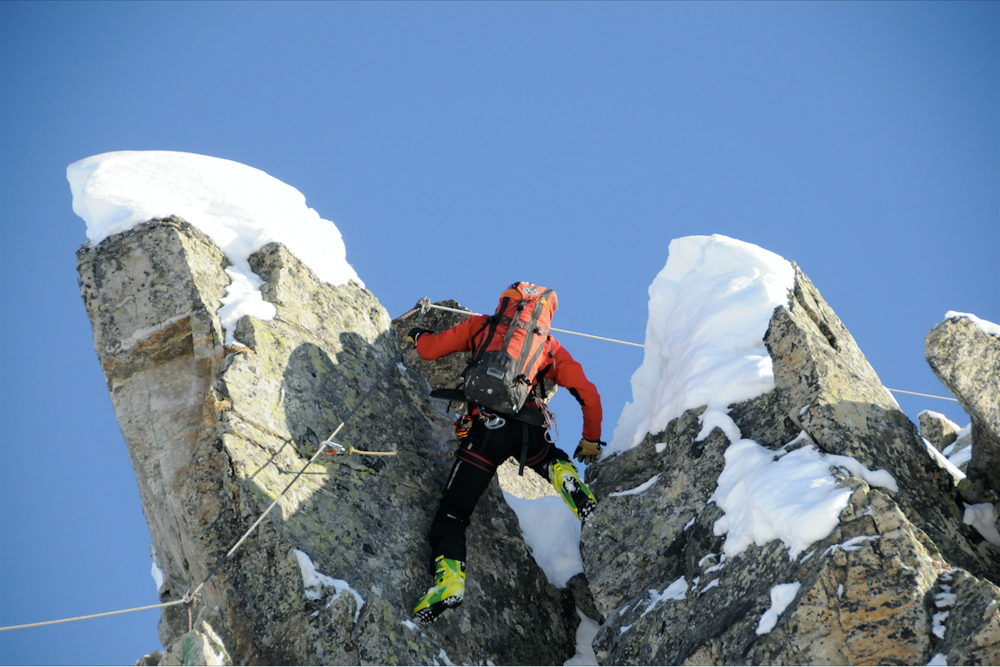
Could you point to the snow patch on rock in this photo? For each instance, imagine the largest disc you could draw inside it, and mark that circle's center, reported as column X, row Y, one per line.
column 983, row 517
column 983, row 325
column 795, row 498
column 585, row 634
column 675, row 591
column 637, row 490
column 155, row 570
column 314, row 581
column 782, row 595
column 948, row 464
column 552, row 533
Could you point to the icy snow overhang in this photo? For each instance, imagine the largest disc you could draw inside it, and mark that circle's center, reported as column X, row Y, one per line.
column 240, row 208
column 709, row 309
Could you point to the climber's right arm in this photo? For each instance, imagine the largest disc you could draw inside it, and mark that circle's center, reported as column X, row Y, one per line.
column 456, row 339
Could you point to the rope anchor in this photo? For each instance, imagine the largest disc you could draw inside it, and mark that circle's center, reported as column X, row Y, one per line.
column 332, row 448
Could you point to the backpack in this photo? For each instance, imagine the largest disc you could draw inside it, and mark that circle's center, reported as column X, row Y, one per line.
column 508, row 349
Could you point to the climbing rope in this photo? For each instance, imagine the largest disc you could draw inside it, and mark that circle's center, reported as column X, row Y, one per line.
column 914, row 393
column 334, row 449
column 85, row 618
column 424, row 304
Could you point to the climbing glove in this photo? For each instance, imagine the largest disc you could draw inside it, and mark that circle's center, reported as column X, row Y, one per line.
column 588, row 451
column 414, row 334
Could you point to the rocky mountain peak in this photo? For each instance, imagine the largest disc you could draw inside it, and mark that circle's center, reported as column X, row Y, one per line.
column 215, row 432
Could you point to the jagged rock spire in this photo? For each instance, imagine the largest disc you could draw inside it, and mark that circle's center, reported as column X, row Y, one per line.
column 215, row 433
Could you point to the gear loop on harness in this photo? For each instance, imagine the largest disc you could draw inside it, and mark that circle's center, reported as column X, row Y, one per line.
column 549, row 418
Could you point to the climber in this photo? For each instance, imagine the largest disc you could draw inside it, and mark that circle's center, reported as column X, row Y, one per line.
column 511, row 352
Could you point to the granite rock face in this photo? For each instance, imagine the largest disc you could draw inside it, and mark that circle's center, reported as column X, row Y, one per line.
column 829, row 388
column 886, row 586
column 967, row 361
column 938, row 429
column 215, row 433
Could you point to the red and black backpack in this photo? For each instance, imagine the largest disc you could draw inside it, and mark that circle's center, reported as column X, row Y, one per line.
column 508, row 349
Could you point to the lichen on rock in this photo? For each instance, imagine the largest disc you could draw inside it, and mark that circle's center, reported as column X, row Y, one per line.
column 967, row 360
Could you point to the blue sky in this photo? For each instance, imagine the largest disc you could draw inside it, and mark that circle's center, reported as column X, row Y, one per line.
column 860, row 140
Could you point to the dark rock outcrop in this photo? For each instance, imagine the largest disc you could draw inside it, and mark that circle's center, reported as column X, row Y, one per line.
column 216, row 433
column 967, row 361
column 937, row 429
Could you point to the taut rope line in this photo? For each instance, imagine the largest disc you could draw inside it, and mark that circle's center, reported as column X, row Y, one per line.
column 84, row 618
column 625, row 342
column 913, row 393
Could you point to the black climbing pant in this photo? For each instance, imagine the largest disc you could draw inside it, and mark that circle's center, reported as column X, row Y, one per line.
column 477, row 459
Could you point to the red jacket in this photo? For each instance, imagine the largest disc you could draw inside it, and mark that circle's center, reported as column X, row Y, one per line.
column 563, row 369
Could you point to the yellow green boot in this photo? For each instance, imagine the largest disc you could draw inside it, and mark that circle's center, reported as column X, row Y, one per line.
column 574, row 491
column 446, row 593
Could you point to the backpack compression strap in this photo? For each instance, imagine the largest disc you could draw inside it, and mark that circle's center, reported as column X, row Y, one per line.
column 521, row 363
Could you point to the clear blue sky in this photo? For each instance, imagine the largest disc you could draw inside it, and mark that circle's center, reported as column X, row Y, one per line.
column 860, row 140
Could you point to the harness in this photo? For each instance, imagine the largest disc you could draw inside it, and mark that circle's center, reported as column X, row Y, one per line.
column 534, row 413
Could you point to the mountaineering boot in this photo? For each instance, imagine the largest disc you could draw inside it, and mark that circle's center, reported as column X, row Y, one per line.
column 446, row 593
column 574, row 491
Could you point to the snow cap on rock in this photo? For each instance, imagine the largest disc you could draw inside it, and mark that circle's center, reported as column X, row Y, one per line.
column 709, row 309
column 240, row 208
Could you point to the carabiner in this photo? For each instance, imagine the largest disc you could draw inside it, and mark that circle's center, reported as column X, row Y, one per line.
column 493, row 422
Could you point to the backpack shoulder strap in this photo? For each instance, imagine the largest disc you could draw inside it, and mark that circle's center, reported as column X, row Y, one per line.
column 493, row 322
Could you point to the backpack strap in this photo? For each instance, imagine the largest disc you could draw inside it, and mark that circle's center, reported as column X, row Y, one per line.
column 493, row 321
column 524, row 448
column 523, row 362
column 450, row 395
column 539, row 388
column 513, row 323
